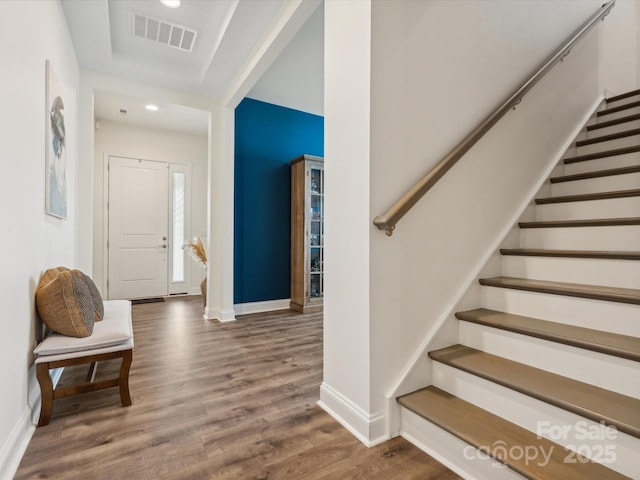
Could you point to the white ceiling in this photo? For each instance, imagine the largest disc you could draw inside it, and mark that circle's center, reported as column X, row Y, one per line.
column 179, row 118
column 228, row 31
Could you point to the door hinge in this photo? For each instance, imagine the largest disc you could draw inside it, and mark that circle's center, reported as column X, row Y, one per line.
column 107, row 243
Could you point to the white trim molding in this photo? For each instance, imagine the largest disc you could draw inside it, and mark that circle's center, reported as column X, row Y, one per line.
column 222, row 316
column 370, row 429
column 14, row 447
column 259, row 307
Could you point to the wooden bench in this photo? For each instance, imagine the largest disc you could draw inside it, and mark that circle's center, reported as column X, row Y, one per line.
column 112, row 337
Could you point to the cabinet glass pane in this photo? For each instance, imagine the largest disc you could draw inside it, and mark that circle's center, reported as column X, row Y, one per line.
column 316, row 207
column 315, row 260
column 315, row 237
column 316, row 181
column 315, row 287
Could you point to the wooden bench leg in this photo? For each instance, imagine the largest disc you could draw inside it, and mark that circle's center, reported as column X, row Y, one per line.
column 46, row 393
column 125, row 396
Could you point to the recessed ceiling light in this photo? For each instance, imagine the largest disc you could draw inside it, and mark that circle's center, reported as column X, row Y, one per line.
column 171, row 3
column 151, row 107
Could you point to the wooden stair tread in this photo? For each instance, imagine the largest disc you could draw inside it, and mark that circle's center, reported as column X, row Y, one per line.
column 619, row 108
column 589, row 401
column 539, row 252
column 615, row 121
column 606, row 138
column 483, row 429
column 603, row 154
column 595, row 292
column 622, row 346
column 622, row 96
column 592, row 222
column 596, row 174
column 583, row 197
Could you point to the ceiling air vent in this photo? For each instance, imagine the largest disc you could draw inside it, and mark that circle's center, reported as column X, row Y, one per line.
column 163, row 32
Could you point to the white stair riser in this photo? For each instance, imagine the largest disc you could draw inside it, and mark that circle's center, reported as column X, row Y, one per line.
column 629, row 141
column 592, row 271
column 599, row 132
column 601, row 370
column 627, row 181
column 622, row 113
column 609, row 208
column 452, row 452
column 620, row 318
column 535, row 415
column 616, row 161
column 617, row 238
column 622, row 101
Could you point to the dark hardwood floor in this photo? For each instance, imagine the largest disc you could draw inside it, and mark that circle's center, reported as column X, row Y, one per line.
column 227, row 401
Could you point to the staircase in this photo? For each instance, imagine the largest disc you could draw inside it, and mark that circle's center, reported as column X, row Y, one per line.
column 548, row 364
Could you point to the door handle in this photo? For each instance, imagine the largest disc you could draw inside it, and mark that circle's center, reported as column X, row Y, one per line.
column 164, row 245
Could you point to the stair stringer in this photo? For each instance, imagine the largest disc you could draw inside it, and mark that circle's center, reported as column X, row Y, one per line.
column 417, row 372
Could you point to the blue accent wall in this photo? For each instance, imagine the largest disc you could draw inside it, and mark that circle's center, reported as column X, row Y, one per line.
column 267, row 137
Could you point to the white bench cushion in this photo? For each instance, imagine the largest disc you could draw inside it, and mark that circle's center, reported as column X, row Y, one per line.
column 113, row 333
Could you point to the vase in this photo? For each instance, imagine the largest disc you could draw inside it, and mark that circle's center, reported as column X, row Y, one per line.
column 203, row 289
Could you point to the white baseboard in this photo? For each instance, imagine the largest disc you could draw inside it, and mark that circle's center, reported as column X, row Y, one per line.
column 223, row 316
column 259, row 307
column 369, row 429
column 14, row 447
column 246, row 308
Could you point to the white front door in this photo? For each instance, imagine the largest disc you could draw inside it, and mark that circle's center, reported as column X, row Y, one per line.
column 138, row 228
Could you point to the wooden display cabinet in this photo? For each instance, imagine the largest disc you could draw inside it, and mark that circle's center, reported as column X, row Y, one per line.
column 307, row 233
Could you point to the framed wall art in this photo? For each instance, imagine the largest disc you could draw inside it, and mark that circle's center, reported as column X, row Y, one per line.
column 56, row 150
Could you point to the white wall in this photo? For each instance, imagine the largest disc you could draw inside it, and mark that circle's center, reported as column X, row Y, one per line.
column 619, row 63
column 437, row 69
column 30, row 33
column 150, row 144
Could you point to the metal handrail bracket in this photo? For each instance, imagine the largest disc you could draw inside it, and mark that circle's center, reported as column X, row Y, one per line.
column 388, row 221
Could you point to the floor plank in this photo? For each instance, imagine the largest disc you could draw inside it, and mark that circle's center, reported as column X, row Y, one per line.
column 214, row 401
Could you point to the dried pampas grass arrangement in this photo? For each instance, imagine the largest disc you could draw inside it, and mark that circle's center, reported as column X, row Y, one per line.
column 195, row 249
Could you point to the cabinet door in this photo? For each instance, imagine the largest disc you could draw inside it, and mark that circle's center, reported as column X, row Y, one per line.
column 316, row 234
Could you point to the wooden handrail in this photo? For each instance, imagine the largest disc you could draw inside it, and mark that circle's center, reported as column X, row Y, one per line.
column 388, row 221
